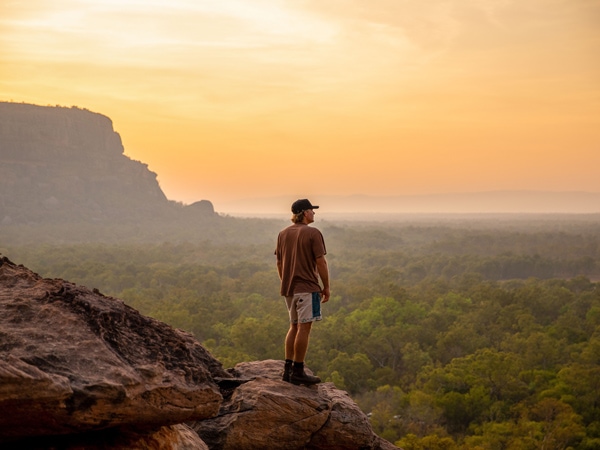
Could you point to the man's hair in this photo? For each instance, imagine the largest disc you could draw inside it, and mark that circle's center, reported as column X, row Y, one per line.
column 297, row 218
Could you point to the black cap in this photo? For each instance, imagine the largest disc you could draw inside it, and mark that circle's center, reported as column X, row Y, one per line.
column 302, row 205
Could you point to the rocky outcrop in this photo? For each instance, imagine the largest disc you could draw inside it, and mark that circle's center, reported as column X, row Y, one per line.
column 74, row 361
column 82, row 370
column 68, row 164
column 264, row 412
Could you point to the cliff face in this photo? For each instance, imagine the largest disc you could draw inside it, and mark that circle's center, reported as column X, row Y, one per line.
column 59, row 164
column 82, row 370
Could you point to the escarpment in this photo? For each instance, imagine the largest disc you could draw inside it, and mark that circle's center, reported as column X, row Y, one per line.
column 62, row 164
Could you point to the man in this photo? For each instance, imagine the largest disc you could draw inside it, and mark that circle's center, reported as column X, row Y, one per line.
column 301, row 262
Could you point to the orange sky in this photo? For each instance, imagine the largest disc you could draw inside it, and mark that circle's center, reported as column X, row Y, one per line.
column 234, row 99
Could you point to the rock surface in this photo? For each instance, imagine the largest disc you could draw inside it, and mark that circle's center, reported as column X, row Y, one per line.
column 82, row 370
column 173, row 437
column 265, row 412
column 73, row 360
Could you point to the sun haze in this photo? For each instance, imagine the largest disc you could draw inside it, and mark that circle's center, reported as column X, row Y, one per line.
column 256, row 98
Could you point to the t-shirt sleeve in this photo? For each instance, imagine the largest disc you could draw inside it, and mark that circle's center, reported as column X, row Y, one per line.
column 318, row 244
column 277, row 251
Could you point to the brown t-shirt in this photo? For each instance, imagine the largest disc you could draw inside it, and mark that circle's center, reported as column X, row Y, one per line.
column 298, row 247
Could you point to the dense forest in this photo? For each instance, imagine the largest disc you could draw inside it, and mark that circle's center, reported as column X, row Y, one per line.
column 474, row 332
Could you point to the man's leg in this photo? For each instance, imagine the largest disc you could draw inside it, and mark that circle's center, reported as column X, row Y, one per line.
column 290, row 341
column 296, row 346
column 300, row 348
column 301, row 341
column 290, row 338
column 307, row 309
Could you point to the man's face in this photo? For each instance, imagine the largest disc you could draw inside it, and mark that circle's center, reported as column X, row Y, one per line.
column 309, row 216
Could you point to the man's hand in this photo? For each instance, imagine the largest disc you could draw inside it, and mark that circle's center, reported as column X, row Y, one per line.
column 323, row 270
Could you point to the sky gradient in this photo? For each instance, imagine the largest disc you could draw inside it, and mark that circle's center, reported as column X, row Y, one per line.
column 236, row 99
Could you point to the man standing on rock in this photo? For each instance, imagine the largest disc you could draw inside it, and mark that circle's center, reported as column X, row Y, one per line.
column 301, row 262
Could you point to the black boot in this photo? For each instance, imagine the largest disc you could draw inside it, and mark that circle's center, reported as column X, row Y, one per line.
column 300, row 377
column 287, row 371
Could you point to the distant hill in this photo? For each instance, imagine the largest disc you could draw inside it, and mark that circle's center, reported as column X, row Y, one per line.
column 513, row 202
column 62, row 164
column 67, row 165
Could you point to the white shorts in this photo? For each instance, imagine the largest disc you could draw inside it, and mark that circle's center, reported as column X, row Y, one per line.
column 304, row 307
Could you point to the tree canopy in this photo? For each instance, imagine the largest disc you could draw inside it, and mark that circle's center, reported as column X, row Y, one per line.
column 451, row 335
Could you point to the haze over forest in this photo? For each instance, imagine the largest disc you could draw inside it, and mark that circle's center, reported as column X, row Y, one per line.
column 394, row 207
column 62, row 162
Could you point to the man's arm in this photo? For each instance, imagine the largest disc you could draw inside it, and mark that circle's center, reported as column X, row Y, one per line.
column 279, row 268
column 323, row 270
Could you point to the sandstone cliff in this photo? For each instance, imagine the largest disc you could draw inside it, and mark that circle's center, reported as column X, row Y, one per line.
column 68, row 164
column 82, row 370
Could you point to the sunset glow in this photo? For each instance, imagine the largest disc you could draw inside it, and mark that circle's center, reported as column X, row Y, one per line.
column 257, row 98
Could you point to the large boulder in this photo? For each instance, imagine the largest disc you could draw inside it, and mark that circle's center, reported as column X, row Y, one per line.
column 73, row 361
column 265, row 412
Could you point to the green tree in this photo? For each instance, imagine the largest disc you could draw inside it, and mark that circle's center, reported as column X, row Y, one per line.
column 354, row 371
